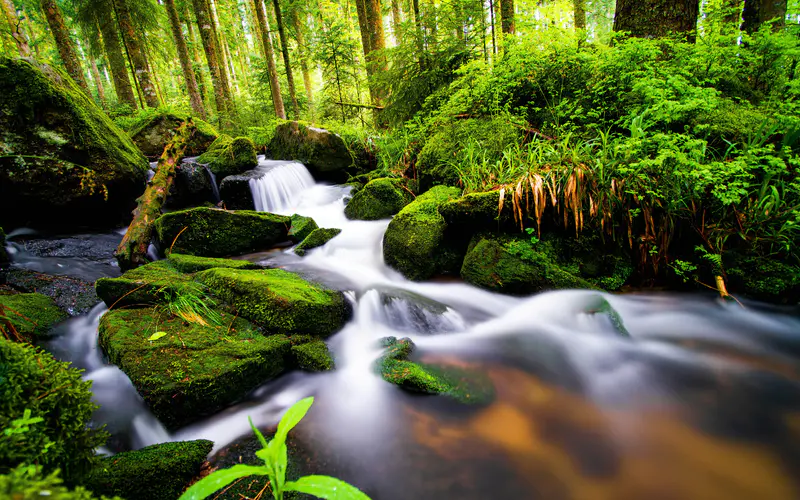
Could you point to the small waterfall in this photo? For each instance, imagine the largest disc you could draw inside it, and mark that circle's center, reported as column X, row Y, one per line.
column 280, row 185
column 214, row 185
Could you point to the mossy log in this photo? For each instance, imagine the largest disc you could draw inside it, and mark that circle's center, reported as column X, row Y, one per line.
column 132, row 251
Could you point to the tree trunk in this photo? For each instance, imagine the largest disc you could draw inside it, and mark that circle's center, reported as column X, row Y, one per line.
column 66, row 49
column 183, row 56
column 14, row 24
column 492, row 23
column 302, row 51
column 223, row 58
column 732, row 17
column 98, row 82
column 507, row 17
column 210, row 48
column 363, row 26
column 580, row 14
column 371, row 24
column 132, row 251
column 656, row 18
column 116, row 60
column 757, row 12
column 274, row 84
column 397, row 20
column 136, row 53
column 286, row 62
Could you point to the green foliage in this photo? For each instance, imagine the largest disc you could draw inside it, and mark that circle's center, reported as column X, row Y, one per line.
column 274, row 455
column 27, row 482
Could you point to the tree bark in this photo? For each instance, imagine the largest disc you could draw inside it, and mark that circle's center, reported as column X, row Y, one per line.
column 286, row 62
column 397, row 20
column 210, row 48
column 132, row 250
column 363, row 26
column 507, row 24
column 66, row 49
column 223, row 58
column 733, row 14
column 195, row 99
column 757, row 12
column 657, row 18
column 370, row 22
column 580, row 14
column 14, row 24
column 303, row 52
column 98, row 82
column 274, row 83
column 136, row 53
column 116, row 60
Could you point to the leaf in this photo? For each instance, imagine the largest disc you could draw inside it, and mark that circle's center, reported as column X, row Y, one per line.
column 292, row 417
column 257, row 433
column 156, row 336
column 326, row 487
column 219, row 479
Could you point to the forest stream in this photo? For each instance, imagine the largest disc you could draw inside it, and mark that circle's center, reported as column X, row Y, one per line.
column 672, row 396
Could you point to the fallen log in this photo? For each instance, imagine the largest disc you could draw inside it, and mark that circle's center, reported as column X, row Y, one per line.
column 132, row 251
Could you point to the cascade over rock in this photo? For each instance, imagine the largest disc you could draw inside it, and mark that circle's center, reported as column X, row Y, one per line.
column 63, row 162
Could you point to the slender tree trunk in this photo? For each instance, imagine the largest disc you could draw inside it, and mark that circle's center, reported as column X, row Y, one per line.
column 66, row 49
column 116, row 59
column 147, row 58
column 204, row 24
column 183, row 56
column 274, row 83
column 32, row 35
column 492, row 23
column 101, row 92
column 363, row 26
column 507, row 24
column 757, row 12
column 656, row 18
column 370, row 22
column 14, row 23
column 286, row 62
column 136, row 53
column 223, row 59
column 579, row 8
column 397, row 20
column 303, row 53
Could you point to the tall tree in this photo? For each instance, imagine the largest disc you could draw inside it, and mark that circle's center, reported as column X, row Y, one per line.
column 98, row 82
column 14, row 24
column 757, row 12
column 302, row 52
column 274, row 84
column 66, row 48
column 579, row 8
column 286, row 62
column 370, row 22
column 135, row 49
column 222, row 55
column 507, row 24
column 195, row 99
column 116, row 59
column 204, row 25
column 397, row 21
column 655, row 18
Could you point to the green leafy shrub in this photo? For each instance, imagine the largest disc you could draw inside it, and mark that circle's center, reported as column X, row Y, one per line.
column 28, row 483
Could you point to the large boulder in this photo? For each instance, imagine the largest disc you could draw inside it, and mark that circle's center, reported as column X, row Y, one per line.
column 379, row 199
column 63, row 163
column 234, row 191
column 212, row 232
column 324, row 153
column 154, row 132
column 415, row 243
column 476, row 212
column 191, row 187
column 227, row 156
column 280, row 301
column 193, row 369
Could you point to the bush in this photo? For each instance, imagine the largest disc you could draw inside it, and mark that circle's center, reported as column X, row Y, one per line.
column 28, row 483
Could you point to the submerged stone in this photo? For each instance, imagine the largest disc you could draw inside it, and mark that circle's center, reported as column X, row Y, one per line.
column 324, row 153
column 316, row 238
column 63, row 162
column 379, row 199
column 212, row 232
column 193, row 370
column 31, row 314
column 415, row 243
column 301, row 228
column 154, row 132
column 228, row 156
column 280, row 301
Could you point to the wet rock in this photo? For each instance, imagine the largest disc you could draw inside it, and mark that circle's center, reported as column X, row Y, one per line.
column 312, row 355
column 316, row 238
column 63, row 163
column 301, row 228
column 235, row 191
column 229, row 156
column 379, row 199
column 31, row 314
column 324, row 153
column 409, row 312
column 477, row 212
column 154, row 132
column 414, row 243
column 212, row 232
column 72, row 295
column 191, row 186
column 194, row 369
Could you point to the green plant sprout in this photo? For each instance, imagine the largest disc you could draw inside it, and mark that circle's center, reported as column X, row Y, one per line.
column 274, row 455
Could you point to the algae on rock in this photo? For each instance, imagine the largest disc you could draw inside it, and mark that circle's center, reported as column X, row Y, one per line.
column 301, row 227
column 193, row 264
column 228, row 156
column 31, row 314
column 153, row 283
column 313, row 356
column 316, row 238
column 378, row 199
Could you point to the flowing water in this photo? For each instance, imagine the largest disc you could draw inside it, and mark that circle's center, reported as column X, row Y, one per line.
column 701, row 400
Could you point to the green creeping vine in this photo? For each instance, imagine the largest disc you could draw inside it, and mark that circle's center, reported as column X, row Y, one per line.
column 274, row 455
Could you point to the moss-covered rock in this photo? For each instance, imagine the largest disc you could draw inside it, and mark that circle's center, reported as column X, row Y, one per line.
column 157, row 472
column 193, row 264
column 228, row 156
column 156, row 282
column 324, row 153
column 435, row 162
column 317, row 238
column 193, row 370
column 763, row 278
column 478, row 212
column 313, row 356
column 155, row 131
column 301, row 227
column 280, row 301
column 63, row 163
column 212, row 232
column 31, row 314
column 379, row 199
column 414, row 242
column 191, row 186
column 73, row 295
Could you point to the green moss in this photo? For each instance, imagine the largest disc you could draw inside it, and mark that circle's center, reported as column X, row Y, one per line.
column 26, row 483
column 62, row 161
column 414, row 242
column 30, row 379
column 32, row 314
column 313, row 356
column 214, row 149
column 301, row 228
column 157, row 472
column 280, row 301
column 317, row 238
column 763, row 278
column 218, row 233
column 193, row 264
column 476, row 212
column 324, row 153
column 379, row 199
column 227, row 156
column 153, row 283
column 194, row 370
column 154, row 131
